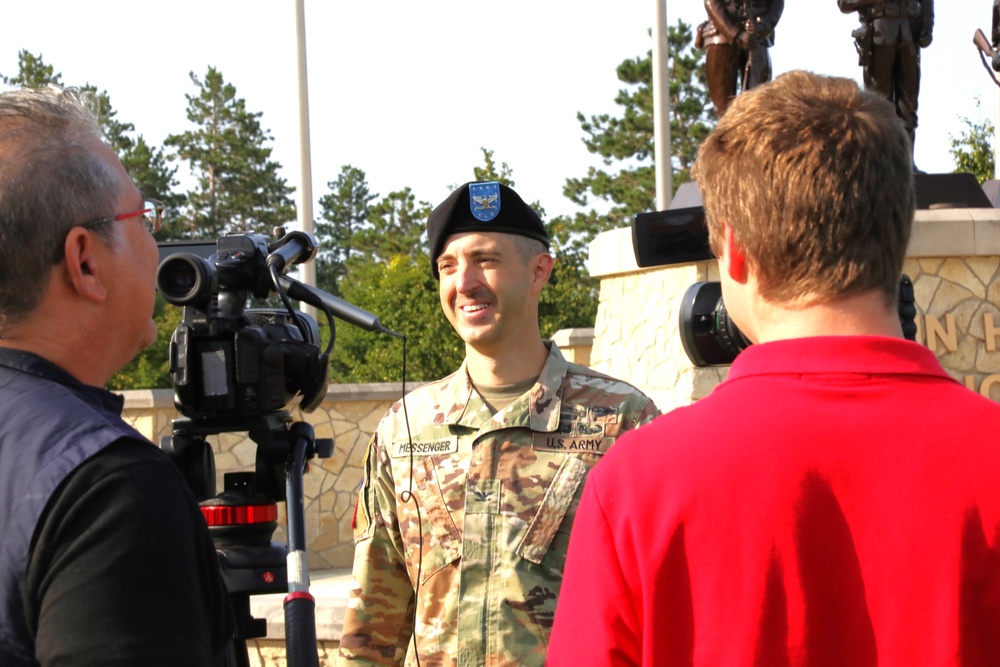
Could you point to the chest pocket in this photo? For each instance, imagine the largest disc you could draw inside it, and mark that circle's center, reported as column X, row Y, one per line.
column 547, row 537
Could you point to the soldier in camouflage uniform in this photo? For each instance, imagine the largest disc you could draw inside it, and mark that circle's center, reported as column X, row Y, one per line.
column 471, row 486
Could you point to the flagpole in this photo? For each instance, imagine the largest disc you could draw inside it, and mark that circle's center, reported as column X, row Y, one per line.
column 661, row 109
column 307, row 269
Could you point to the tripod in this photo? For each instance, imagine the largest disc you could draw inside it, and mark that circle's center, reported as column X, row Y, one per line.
column 243, row 518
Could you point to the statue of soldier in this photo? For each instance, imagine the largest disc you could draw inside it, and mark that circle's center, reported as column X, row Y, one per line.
column 889, row 42
column 995, row 39
column 737, row 36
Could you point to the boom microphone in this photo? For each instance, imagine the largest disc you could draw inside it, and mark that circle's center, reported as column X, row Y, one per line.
column 342, row 309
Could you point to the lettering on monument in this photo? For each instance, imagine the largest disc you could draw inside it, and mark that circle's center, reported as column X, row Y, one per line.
column 942, row 338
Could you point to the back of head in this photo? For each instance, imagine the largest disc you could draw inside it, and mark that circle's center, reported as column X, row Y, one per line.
column 51, row 179
column 815, row 177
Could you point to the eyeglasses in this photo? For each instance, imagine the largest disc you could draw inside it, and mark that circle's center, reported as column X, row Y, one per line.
column 151, row 212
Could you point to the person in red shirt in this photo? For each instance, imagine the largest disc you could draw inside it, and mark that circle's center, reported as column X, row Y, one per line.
column 836, row 500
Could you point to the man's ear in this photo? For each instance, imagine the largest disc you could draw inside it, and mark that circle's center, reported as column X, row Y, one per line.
column 734, row 258
column 83, row 264
column 543, row 268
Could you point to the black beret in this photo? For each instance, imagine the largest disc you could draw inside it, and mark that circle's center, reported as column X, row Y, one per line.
column 482, row 207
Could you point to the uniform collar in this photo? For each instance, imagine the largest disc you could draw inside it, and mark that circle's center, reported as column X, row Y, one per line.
column 537, row 409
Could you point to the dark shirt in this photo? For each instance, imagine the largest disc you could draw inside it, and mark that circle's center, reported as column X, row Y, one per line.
column 121, row 569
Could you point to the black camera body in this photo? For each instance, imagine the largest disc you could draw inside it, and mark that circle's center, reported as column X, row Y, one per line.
column 710, row 337
column 228, row 363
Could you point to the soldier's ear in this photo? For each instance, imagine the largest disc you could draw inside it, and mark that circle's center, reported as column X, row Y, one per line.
column 542, row 268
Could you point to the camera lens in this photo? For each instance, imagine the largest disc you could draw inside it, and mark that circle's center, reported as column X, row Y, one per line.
column 709, row 336
column 185, row 279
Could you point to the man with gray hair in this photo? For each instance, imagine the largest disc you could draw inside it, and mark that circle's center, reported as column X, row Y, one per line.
column 104, row 556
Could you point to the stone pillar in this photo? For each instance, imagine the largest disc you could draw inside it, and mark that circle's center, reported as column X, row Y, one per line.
column 575, row 344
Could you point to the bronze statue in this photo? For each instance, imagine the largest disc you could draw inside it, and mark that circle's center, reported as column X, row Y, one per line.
column 888, row 43
column 996, row 35
column 737, row 36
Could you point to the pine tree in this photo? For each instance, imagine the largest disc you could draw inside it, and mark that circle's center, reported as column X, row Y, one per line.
column 397, row 225
column 627, row 141
column 489, row 171
column 387, row 272
column 344, row 212
column 32, row 72
column 145, row 164
column 238, row 186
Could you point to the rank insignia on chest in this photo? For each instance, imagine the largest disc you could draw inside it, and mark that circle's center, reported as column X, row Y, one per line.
column 437, row 447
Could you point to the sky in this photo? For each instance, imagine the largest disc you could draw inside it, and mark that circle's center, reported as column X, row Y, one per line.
column 410, row 91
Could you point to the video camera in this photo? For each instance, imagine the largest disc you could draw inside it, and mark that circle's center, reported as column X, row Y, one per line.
column 230, row 363
column 238, row 369
column 708, row 334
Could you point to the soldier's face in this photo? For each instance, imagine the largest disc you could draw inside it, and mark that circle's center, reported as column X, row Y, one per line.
column 489, row 292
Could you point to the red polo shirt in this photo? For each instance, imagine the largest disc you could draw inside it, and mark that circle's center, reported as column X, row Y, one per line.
column 836, row 501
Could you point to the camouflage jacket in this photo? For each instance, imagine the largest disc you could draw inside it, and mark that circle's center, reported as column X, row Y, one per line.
column 468, row 516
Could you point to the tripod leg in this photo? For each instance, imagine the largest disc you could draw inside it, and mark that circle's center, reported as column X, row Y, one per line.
column 300, row 608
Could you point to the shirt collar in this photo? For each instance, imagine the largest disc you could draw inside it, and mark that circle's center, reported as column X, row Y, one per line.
column 837, row 354
column 32, row 364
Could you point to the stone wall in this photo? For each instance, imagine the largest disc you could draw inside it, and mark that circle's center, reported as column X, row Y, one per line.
column 349, row 415
column 953, row 260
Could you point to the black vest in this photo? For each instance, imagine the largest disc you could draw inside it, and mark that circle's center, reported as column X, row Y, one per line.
column 49, row 424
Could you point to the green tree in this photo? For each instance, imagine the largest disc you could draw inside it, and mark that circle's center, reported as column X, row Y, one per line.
column 627, row 141
column 343, row 213
column 972, row 150
column 238, row 186
column 489, row 171
column 388, row 273
column 145, row 164
column 404, row 294
column 397, row 225
column 154, row 177
column 32, row 72
column 151, row 368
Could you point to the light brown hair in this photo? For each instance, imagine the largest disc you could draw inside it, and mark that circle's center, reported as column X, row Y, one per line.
column 815, row 177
